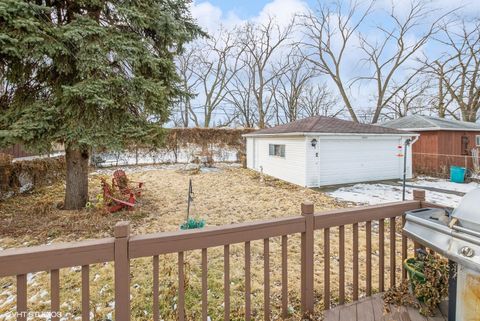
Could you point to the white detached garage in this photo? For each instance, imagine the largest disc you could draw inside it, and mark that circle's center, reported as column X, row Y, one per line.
column 320, row 151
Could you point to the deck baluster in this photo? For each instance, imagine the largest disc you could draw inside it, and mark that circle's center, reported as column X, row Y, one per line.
column 355, row 261
column 368, row 232
column 381, row 255
column 341, row 264
column 181, row 287
column 226, row 281
column 326, row 268
column 156, row 312
column 55, row 294
column 204, row 285
column 266, row 275
column 85, row 293
column 22, row 297
column 284, row 276
column 392, row 252
column 248, row 284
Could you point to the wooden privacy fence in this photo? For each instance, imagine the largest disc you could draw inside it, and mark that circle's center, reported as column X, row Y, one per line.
column 123, row 248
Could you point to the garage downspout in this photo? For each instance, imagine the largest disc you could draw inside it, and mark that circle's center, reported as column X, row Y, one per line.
column 408, row 142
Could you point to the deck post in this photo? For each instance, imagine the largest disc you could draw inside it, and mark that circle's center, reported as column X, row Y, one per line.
column 122, row 271
column 307, row 259
column 418, row 195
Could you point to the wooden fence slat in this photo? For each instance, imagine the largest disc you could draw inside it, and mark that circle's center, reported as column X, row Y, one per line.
column 156, row 284
column 55, row 294
column 381, row 255
column 248, row 284
column 326, row 268
column 22, row 309
column 368, row 232
column 204, row 285
column 355, row 261
column 284, row 276
column 226, row 281
column 85, row 292
column 392, row 252
column 266, row 276
column 341, row 264
column 181, row 287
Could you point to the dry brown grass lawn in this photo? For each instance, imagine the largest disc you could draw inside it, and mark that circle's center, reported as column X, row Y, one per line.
column 224, row 197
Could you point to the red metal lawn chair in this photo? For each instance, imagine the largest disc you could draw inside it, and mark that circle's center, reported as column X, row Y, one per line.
column 114, row 204
column 121, row 182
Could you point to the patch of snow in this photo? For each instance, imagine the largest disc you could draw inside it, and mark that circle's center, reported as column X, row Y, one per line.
column 52, row 155
column 43, row 294
column 103, row 289
column 444, row 184
column 10, row 299
column 31, row 277
column 372, row 194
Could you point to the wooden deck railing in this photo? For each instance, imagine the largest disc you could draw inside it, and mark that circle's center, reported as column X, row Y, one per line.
column 123, row 248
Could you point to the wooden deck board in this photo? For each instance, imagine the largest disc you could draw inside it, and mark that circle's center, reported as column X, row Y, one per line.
column 372, row 309
column 348, row 313
column 365, row 310
column 378, row 310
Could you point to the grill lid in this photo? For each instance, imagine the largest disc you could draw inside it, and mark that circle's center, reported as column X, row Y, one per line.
column 468, row 211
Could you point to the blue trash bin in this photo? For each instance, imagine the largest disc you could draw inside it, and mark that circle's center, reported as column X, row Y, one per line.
column 457, row 174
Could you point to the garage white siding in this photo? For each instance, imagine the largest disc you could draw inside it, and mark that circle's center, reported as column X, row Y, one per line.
column 290, row 168
column 353, row 159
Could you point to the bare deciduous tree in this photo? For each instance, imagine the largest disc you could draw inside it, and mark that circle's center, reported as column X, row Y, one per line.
column 458, row 71
column 410, row 99
column 216, row 63
column 261, row 45
column 294, row 74
column 188, row 83
column 318, row 100
column 332, row 31
column 241, row 99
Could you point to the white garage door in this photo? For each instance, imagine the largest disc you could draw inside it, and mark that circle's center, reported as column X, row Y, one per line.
column 358, row 160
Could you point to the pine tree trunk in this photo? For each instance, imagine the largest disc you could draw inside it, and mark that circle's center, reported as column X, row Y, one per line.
column 76, row 194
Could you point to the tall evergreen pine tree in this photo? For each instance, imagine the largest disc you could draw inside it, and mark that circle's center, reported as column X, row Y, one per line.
column 88, row 74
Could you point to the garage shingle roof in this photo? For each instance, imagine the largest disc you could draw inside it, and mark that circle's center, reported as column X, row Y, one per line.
column 323, row 124
column 420, row 123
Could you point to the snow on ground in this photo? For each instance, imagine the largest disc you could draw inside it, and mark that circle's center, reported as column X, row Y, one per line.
column 183, row 155
column 372, row 194
column 444, row 184
column 145, row 168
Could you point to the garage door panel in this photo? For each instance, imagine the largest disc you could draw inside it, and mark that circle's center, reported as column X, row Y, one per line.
column 358, row 160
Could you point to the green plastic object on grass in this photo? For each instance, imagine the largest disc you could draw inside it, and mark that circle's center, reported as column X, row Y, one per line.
column 192, row 223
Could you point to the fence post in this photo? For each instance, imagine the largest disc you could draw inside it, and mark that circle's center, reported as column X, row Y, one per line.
column 122, row 271
column 307, row 259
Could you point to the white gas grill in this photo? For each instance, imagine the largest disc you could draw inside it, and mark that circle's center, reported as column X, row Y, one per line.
column 457, row 237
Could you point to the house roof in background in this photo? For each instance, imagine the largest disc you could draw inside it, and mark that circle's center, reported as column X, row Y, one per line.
column 328, row 125
column 426, row 123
